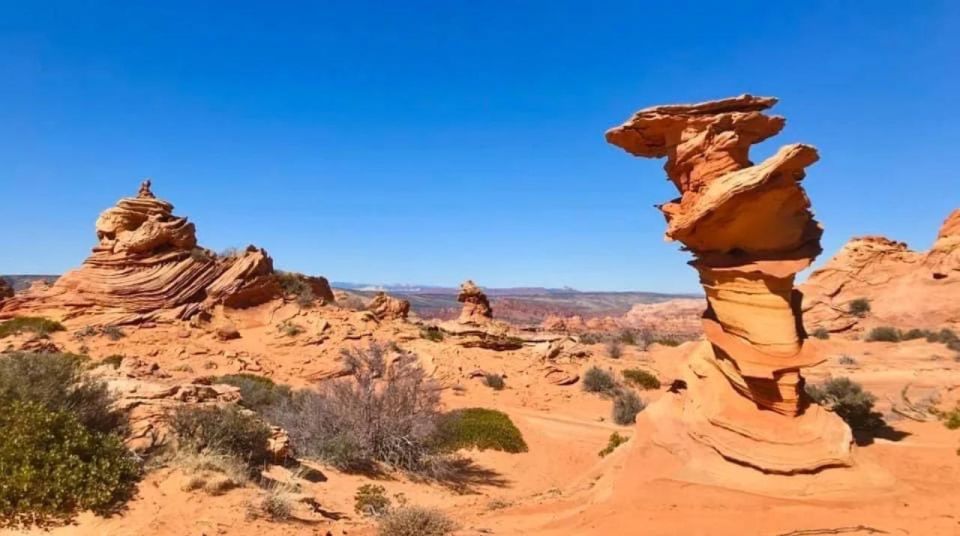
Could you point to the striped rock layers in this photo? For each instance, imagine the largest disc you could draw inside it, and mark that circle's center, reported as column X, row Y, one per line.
column 146, row 266
column 750, row 230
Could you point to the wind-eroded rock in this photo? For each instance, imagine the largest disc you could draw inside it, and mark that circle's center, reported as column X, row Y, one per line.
column 386, row 307
column 750, row 230
column 146, row 266
column 904, row 288
column 476, row 307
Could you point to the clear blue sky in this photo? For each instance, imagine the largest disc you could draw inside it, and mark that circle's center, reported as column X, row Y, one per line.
column 429, row 142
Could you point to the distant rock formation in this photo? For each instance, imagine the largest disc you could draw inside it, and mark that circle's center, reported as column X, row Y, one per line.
column 750, row 230
column 6, row 289
column 146, row 266
column 386, row 307
column 904, row 288
column 476, row 307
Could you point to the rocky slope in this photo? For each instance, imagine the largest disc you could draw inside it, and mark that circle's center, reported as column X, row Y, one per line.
column 904, row 288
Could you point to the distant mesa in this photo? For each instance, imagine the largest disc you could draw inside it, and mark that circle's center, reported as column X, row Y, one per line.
column 905, row 288
column 146, row 266
column 750, row 229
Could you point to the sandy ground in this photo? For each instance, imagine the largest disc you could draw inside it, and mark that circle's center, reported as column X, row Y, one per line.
column 561, row 486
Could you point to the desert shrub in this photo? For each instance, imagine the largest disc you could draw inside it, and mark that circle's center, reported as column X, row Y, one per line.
column 821, row 333
column 113, row 333
column 59, row 382
column 290, row 329
column 615, row 441
column 859, row 307
column 201, row 255
column 592, row 337
column 296, row 285
column 384, row 412
column 847, row 361
column 113, row 360
column 479, row 428
column 415, row 521
column 256, row 392
column 222, row 430
column 371, row 500
column 883, row 334
column 597, row 380
column 614, row 349
column 494, row 381
column 849, row 401
column 431, row 333
column 629, row 336
column 84, row 332
column 641, row 378
column 626, row 405
column 277, row 503
column 231, row 471
column 35, row 324
column 230, row 253
column 666, row 340
column 52, row 466
column 914, row 334
column 951, row 419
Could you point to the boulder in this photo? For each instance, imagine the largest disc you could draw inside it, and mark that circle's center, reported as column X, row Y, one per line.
column 386, row 307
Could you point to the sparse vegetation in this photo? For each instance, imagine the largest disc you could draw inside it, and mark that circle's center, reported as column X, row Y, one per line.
column 385, row 412
column 641, row 379
column 42, row 327
column 666, row 340
column 431, row 333
column 201, row 255
column 821, row 333
column 53, row 466
column 847, row 361
column 257, row 392
column 294, row 284
column 626, row 405
column 951, row 419
column 629, row 336
column 494, row 381
column 290, row 329
column 859, row 307
column 615, row 441
column 415, row 521
column 597, row 380
column 479, row 428
column 222, row 431
column 371, row 500
column 113, row 360
column 914, row 334
column 614, row 349
column 214, row 472
column 883, row 334
column 849, row 401
column 113, row 333
column 277, row 503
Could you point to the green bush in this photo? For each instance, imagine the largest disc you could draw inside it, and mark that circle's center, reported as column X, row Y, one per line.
column 256, row 392
column 630, row 337
column 849, row 401
column 59, row 382
column 597, row 380
column 479, row 428
column 494, row 381
column 914, row 334
column 615, row 441
column 883, row 334
column 821, row 333
column 371, row 500
column 626, row 405
column 52, row 466
column 614, row 349
column 859, row 307
column 225, row 430
column 431, row 333
column 951, row 419
column 641, row 378
column 415, row 521
column 19, row 324
column 296, row 285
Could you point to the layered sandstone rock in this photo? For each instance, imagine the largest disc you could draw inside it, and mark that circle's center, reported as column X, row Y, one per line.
column 386, row 307
column 476, row 307
column 146, row 266
column 750, row 230
column 905, row 288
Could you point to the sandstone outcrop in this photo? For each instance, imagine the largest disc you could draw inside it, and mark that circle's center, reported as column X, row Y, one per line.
column 476, row 306
column 750, row 230
column 386, row 307
column 905, row 288
column 146, row 266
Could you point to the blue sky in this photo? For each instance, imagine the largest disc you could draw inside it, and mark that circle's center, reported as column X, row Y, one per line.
column 429, row 142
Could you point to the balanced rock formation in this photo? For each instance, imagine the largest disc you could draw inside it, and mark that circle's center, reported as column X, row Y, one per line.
column 386, row 307
column 146, row 266
column 750, row 230
column 905, row 288
column 476, row 307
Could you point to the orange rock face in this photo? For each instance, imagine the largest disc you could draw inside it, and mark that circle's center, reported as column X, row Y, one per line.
column 905, row 288
column 476, row 307
column 146, row 266
column 750, row 230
